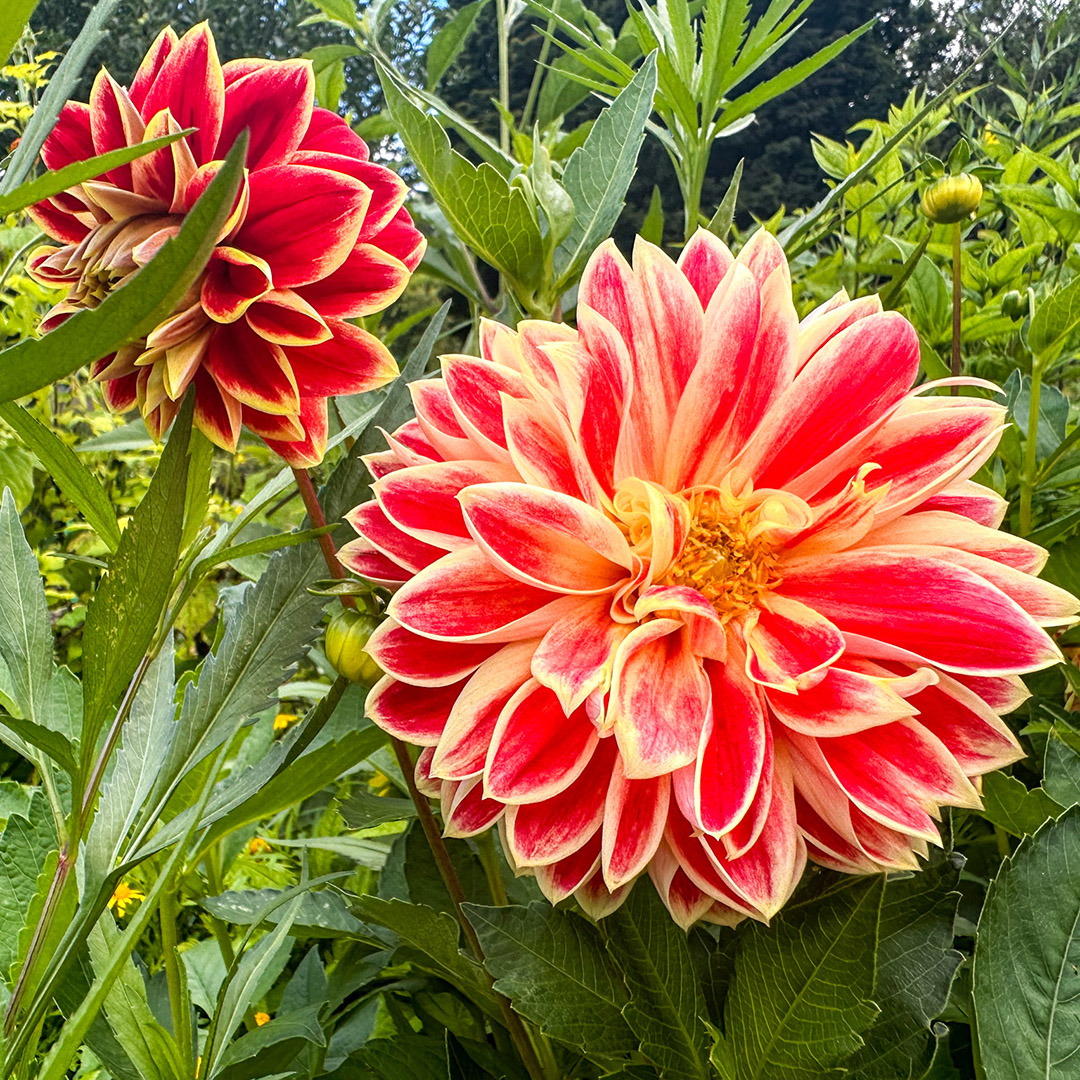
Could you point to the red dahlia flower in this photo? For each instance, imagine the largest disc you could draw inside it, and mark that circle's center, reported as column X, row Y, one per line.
column 318, row 236
column 699, row 589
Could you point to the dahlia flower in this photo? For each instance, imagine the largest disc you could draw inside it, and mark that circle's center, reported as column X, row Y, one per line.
column 699, row 589
column 318, row 236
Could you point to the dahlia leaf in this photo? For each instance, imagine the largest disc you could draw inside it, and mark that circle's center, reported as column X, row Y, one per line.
column 59, row 180
column 362, row 810
column 666, row 1006
column 490, row 216
column 447, row 44
column 553, row 967
column 1026, row 973
column 724, row 218
column 915, row 968
column 12, row 22
column 123, row 614
column 1012, row 807
column 800, row 994
column 599, row 172
column 72, row 477
column 1061, row 770
column 132, row 311
column 1054, row 320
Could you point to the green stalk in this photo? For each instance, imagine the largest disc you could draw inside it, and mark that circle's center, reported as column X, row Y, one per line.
column 538, row 74
column 168, row 914
column 957, row 254
column 1027, row 474
column 504, row 74
column 489, row 860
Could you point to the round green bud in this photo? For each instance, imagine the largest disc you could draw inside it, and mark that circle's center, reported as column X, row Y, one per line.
column 346, row 641
column 952, row 198
column 1014, row 305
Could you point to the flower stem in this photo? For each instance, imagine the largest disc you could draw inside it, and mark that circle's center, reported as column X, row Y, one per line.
column 1027, row 472
column 168, row 913
column 504, row 75
column 489, row 860
column 957, row 252
column 514, row 1025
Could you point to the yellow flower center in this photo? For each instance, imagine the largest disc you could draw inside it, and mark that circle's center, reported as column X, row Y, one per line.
column 727, row 556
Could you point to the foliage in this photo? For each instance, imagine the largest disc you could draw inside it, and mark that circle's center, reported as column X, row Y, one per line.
column 211, row 863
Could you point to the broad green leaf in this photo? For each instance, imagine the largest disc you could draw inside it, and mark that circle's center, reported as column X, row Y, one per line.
column 12, row 20
column 61, row 84
column 1009, row 804
column 599, row 172
column 123, row 614
column 52, row 743
column 915, row 968
column 1026, row 975
column 321, row 914
column 1061, row 770
column 71, row 476
column 666, row 1004
column 272, row 1046
column 58, row 180
column 405, row 1054
column 307, row 985
column 26, row 642
column 553, row 967
column 1053, row 412
column 205, row 973
column 490, row 216
column 447, row 44
column 800, row 995
column 1054, row 320
column 362, row 810
column 133, row 310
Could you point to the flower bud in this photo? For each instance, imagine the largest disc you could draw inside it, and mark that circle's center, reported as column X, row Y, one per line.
column 952, row 198
column 1014, row 305
column 346, row 638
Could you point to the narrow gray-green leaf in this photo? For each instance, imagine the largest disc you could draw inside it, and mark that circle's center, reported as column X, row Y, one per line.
column 600, row 170
column 1026, row 975
column 447, row 44
column 134, row 309
column 722, row 220
column 72, row 477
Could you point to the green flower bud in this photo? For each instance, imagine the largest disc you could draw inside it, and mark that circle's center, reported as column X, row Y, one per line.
column 952, row 198
column 1014, row 305
column 346, row 638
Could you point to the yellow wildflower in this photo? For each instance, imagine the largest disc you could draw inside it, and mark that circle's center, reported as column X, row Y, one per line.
column 258, row 846
column 123, row 897
column 283, row 720
column 262, row 1018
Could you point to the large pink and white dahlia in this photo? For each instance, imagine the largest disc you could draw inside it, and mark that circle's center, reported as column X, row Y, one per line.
column 318, row 236
column 698, row 588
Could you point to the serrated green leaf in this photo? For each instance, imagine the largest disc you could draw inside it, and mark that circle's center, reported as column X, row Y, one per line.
column 1054, row 320
column 915, row 968
column 1009, row 804
column 1026, row 974
column 599, row 172
column 123, row 614
column 722, row 220
column 71, row 476
column 1061, row 770
column 131, row 311
column 362, row 810
column 800, row 995
column 490, row 216
column 666, row 1004
column 553, row 967
column 285, row 1035
column 321, row 914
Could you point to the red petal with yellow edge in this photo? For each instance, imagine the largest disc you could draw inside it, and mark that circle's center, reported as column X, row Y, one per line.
column 286, row 318
column 151, row 65
column 465, row 810
column 366, row 560
column 273, row 102
column 416, row 714
column 375, row 527
column 330, row 133
column 421, row 661
column 368, row 281
column 387, row 189
column 114, row 123
column 705, row 260
column 253, row 370
column 402, row 239
column 308, row 451
column 70, row 139
column 302, row 221
column 561, row 879
column 790, row 643
column 164, row 174
column 635, row 813
column 536, row 750
column 234, row 281
column 190, row 85
column 352, row 361
column 217, row 414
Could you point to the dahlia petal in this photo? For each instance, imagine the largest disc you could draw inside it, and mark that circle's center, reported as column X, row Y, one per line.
column 423, row 499
column 421, row 661
column 683, row 899
column 466, row 739
column 762, row 255
column 970, row 500
column 304, row 222
column 840, row 522
column 541, row 454
column 704, row 261
column 536, row 750
column 363, row 558
column 369, row 520
column 273, row 102
column 331, row 133
column 151, row 64
column 234, row 281
column 437, row 421
column 189, row 83
column 575, row 657
column 183, row 359
column 540, row 833
column 368, row 281
column 534, row 339
column 417, row 714
column 545, row 538
column 285, row 427
column 635, row 813
column 659, row 699
column 465, row 810
column 462, row 597
column 351, row 362
column 941, row 613
column 814, row 333
column 790, row 643
column 425, row 783
column 253, row 370
column 1003, row 694
column 286, row 318
column 561, row 879
column 71, row 138
column 673, row 598
column 402, row 239
column 57, row 223
column 597, row 900
column 114, row 123
column 476, row 388
column 829, row 848
column 305, row 452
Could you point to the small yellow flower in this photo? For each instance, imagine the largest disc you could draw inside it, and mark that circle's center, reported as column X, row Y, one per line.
column 989, row 137
column 283, row 720
column 258, row 846
column 123, row 897
column 262, row 1018
column 380, row 783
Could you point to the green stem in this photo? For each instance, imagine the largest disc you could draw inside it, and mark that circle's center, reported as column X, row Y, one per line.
column 691, row 172
column 504, row 75
column 168, row 914
column 1027, row 474
column 215, row 887
column 489, row 860
column 538, row 74
column 957, row 254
